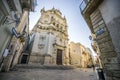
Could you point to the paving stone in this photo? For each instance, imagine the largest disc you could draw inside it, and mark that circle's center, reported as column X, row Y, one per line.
column 20, row 72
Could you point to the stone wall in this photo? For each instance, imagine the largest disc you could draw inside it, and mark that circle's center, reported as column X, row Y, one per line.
column 112, row 21
column 105, row 22
column 79, row 55
column 110, row 12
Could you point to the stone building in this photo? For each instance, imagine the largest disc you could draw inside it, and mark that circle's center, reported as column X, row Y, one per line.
column 14, row 30
column 90, row 57
column 79, row 55
column 50, row 38
column 102, row 17
column 97, row 51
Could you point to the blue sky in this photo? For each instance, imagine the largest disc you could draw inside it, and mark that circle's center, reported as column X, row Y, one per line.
column 77, row 28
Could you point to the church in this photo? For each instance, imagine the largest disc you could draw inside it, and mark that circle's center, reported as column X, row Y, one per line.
column 49, row 39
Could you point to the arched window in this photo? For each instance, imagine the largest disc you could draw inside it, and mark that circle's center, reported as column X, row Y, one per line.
column 54, row 23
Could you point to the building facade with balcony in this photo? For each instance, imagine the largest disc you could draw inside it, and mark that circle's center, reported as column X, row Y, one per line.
column 50, row 38
column 14, row 30
column 102, row 17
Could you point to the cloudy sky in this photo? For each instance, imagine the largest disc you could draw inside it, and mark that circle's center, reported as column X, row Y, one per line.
column 77, row 28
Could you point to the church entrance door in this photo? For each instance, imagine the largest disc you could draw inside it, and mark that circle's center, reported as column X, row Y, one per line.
column 59, row 57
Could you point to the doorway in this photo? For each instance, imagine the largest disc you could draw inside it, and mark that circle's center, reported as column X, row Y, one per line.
column 24, row 59
column 59, row 57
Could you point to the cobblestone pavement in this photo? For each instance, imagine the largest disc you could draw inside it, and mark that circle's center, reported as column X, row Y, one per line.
column 48, row 73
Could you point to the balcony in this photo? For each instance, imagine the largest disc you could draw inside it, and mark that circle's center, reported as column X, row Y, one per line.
column 29, row 4
column 87, row 7
column 84, row 4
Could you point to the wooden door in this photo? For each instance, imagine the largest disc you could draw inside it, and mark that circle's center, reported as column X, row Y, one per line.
column 59, row 57
column 24, row 59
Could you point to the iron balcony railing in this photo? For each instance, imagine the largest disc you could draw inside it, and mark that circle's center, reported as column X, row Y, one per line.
column 83, row 5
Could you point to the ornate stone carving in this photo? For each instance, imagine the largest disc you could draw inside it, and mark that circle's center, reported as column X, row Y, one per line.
column 41, row 46
column 42, row 37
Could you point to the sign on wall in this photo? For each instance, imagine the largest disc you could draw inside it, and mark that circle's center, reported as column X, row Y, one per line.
column 15, row 32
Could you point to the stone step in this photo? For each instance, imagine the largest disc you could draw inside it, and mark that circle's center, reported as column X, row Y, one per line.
column 39, row 66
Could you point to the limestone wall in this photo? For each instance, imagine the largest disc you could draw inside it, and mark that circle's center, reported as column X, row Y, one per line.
column 105, row 22
column 110, row 12
column 79, row 55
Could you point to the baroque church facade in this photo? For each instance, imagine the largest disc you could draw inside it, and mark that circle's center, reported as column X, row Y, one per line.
column 49, row 39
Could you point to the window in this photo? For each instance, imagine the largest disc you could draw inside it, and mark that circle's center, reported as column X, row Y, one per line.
column 24, row 31
column 24, row 28
column 57, row 25
column 54, row 23
column 52, row 17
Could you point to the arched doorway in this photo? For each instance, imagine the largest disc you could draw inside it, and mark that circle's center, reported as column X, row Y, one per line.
column 24, row 59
